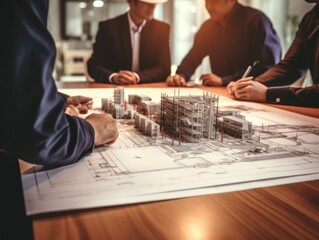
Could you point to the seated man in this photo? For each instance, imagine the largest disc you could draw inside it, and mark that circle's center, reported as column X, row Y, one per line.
column 131, row 48
column 273, row 85
column 234, row 37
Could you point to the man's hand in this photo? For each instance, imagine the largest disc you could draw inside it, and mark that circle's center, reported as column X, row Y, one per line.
column 175, row 81
column 247, row 89
column 72, row 111
column 230, row 89
column 105, row 128
column 80, row 102
column 125, row 77
column 211, row 79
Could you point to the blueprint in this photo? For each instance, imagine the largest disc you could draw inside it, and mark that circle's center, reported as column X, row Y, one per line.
column 136, row 168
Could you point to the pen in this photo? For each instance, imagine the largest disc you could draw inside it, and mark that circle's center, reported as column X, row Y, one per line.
column 248, row 70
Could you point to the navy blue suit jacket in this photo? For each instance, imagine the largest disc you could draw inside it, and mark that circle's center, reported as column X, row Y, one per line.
column 247, row 37
column 33, row 125
column 112, row 50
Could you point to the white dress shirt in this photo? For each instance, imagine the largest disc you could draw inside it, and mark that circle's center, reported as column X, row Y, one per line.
column 135, row 32
column 135, row 41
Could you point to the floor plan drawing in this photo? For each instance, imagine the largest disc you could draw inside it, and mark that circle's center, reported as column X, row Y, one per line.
column 139, row 168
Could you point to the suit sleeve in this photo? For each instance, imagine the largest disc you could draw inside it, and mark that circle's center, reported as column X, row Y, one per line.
column 196, row 54
column 306, row 97
column 291, row 68
column 34, row 126
column 98, row 61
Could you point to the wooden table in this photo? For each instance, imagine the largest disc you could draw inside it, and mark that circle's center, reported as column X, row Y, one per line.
column 288, row 211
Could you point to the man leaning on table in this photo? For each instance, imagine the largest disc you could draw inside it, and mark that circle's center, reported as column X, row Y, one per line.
column 274, row 85
column 234, row 37
column 33, row 124
column 131, row 48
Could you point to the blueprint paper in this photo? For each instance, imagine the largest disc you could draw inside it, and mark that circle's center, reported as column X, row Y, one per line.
column 137, row 168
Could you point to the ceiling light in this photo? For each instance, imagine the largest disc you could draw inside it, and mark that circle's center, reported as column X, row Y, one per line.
column 98, row 3
column 82, row 5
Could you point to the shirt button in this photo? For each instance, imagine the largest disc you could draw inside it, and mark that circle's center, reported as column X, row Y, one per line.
column 278, row 100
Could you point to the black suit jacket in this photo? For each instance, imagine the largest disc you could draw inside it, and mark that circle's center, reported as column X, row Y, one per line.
column 302, row 55
column 33, row 125
column 112, row 50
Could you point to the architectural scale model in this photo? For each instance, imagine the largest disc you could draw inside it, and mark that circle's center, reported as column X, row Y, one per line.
column 186, row 118
column 189, row 118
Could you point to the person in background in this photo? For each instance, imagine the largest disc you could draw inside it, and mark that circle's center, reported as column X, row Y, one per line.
column 234, row 37
column 33, row 124
column 131, row 48
column 302, row 55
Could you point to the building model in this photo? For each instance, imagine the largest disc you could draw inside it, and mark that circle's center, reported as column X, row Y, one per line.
column 186, row 118
column 189, row 118
column 234, row 124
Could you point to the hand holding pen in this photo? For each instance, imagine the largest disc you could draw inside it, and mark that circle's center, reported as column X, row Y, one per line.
column 231, row 85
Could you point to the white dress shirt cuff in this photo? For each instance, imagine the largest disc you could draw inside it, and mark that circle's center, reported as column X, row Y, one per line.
column 138, row 79
column 111, row 76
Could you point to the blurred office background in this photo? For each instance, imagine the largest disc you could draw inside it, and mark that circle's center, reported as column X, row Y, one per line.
column 74, row 23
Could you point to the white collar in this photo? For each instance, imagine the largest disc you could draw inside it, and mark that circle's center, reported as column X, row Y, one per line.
column 133, row 26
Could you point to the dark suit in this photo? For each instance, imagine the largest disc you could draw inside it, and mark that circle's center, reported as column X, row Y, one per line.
column 33, row 125
column 112, row 50
column 302, row 55
column 247, row 37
